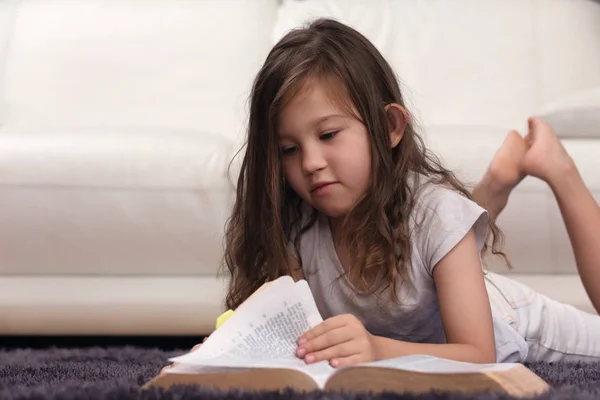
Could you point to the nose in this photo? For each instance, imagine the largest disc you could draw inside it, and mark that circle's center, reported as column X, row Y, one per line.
column 313, row 160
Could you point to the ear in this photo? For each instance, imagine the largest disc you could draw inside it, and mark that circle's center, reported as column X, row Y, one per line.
column 398, row 118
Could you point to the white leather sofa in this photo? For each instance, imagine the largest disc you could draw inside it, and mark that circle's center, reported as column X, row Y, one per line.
column 119, row 118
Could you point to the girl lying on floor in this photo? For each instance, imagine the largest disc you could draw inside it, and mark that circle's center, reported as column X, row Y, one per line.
column 337, row 188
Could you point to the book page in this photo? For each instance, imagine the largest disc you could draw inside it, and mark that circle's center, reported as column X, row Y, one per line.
column 431, row 364
column 197, row 369
column 265, row 328
column 319, row 372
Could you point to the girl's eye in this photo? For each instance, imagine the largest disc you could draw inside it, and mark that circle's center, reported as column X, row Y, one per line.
column 329, row 135
column 288, row 150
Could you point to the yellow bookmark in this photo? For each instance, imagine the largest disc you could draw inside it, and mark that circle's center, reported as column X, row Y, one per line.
column 224, row 317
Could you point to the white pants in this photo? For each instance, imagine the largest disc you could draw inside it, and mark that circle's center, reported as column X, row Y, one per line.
column 553, row 331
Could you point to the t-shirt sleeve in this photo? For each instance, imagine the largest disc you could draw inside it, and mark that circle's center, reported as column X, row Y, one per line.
column 442, row 218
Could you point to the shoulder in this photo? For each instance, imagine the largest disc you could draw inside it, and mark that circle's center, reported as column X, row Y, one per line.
column 441, row 218
column 437, row 201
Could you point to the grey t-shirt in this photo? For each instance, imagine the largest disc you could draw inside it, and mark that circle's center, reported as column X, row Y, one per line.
column 440, row 219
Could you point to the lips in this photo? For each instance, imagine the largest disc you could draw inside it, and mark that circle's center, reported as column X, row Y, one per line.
column 319, row 185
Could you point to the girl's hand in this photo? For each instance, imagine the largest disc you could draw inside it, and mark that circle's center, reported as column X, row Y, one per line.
column 196, row 347
column 343, row 340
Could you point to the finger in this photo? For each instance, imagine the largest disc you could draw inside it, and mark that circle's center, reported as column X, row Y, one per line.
column 323, row 327
column 345, row 361
column 166, row 368
column 341, row 350
column 196, row 347
column 328, row 339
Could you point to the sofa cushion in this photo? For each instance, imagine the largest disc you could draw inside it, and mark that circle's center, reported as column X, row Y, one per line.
column 177, row 63
column 576, row 116
column 114, row 202
column 567, row 47
column 115, row 158
column 473, row 63
column 575, row 123
column 452, row 58
column 370, row 17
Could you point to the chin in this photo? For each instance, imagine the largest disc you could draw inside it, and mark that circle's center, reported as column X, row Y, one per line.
column 333, row 212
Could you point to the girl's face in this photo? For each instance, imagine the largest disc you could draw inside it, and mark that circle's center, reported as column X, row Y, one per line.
column 326, row 151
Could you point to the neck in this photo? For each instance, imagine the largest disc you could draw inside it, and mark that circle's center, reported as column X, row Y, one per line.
column 335, row 225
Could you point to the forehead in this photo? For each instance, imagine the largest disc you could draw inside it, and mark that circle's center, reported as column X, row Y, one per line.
column 314, row 99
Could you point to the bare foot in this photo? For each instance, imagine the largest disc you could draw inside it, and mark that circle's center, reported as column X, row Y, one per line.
column 546, row 159
column 503, row 174
column 506, row 169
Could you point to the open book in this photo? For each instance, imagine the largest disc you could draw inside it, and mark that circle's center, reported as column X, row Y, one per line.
column 255, row 350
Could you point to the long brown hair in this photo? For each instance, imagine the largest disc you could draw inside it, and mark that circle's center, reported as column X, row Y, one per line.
column 267, row 211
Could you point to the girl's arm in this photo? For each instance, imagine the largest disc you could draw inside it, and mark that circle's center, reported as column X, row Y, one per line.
column 464, row 308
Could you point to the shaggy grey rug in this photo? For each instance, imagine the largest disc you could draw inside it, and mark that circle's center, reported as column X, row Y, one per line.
column 119, row 373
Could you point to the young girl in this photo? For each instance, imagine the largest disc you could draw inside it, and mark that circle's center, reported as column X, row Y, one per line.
column 337, row 188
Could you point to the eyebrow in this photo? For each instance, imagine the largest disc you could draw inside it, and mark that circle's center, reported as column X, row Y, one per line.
column 327, row 117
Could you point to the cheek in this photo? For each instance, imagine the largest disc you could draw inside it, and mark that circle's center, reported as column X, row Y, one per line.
column 359, row 162
column 364, row 173
column 292, row 173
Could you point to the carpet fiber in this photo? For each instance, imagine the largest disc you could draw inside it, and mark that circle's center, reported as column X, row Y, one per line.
column 119, row 373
